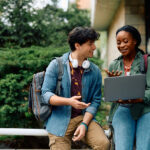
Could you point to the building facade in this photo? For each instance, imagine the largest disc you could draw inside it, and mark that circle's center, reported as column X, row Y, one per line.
column 108, row 16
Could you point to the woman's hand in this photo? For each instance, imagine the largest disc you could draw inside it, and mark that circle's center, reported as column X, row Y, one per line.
column 133, row 101
column 113, row 73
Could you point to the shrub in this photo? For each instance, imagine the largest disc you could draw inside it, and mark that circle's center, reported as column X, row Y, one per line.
column 16, row 71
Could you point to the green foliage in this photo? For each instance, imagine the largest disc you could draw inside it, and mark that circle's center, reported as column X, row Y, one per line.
column 10, row 138
column 103, row 113
column 96, row 61
column 21, row 25
column 17, row 18
column 17, row 69
column 53, row 24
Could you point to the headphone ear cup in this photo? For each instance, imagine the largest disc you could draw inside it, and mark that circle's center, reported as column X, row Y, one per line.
column 74, row 63
column 86, row 64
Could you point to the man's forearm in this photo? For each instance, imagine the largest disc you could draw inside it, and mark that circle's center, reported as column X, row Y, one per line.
column 72, row 101
column 87, row 118
column 58, row 101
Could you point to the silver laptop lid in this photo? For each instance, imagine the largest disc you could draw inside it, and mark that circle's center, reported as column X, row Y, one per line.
column 124, row 87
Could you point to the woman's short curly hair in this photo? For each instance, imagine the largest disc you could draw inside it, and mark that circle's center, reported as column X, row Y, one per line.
column 133, row 31
column 81, row 35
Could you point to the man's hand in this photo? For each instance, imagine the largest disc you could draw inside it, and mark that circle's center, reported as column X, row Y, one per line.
column 74, row 102
column 113, row 73
column 133, row 101
column 79, row 133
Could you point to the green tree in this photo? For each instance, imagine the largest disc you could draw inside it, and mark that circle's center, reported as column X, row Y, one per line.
column 24, row 26
column 54, row 23
column 17, row 18
column 55, row 2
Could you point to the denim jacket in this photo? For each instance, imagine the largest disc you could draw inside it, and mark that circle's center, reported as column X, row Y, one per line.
column 58, row 122
column 137, row 109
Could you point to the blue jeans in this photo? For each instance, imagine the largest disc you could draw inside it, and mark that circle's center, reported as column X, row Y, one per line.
column 126, row 130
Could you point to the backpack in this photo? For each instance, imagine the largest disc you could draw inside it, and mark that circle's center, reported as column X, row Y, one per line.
column 144, row 63
column 40, row 110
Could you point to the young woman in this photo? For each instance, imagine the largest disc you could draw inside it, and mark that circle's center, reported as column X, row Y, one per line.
column 131, row 118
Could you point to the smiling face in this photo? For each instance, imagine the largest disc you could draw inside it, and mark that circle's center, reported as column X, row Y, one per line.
column 86, row 50
column 125, row 43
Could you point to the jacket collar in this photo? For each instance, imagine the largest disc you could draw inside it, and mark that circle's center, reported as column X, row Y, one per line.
column 138, row 54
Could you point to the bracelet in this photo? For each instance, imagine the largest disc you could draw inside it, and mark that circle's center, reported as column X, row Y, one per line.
column 82, row 123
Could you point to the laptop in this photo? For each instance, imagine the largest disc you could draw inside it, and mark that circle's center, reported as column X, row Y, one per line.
column 124, row 87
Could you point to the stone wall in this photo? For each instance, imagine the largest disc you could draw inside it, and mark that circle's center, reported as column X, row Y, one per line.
column 135, row 15
column 117, row 22
column 130, row 12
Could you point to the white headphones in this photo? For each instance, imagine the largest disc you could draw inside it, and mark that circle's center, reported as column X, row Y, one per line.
column 85, row 64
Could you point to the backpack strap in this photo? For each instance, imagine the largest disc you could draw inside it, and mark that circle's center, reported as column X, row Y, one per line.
column 60, row 74
column 30, row 98
column 145, row 62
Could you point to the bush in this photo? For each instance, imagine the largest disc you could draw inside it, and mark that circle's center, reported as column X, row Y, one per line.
column 17, row 68
column 16, row 71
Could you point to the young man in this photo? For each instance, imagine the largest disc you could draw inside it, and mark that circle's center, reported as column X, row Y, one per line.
column 74, row 110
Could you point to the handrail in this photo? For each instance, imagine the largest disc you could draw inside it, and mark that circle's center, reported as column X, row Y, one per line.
column 23, row 131
column 32, row 132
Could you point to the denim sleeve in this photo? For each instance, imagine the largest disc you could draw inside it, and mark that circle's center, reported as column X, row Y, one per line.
column 50, row 81
column 96, row 97
column 147, row 91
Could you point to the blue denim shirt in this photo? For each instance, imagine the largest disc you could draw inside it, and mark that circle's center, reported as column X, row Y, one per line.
column 60, row 117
